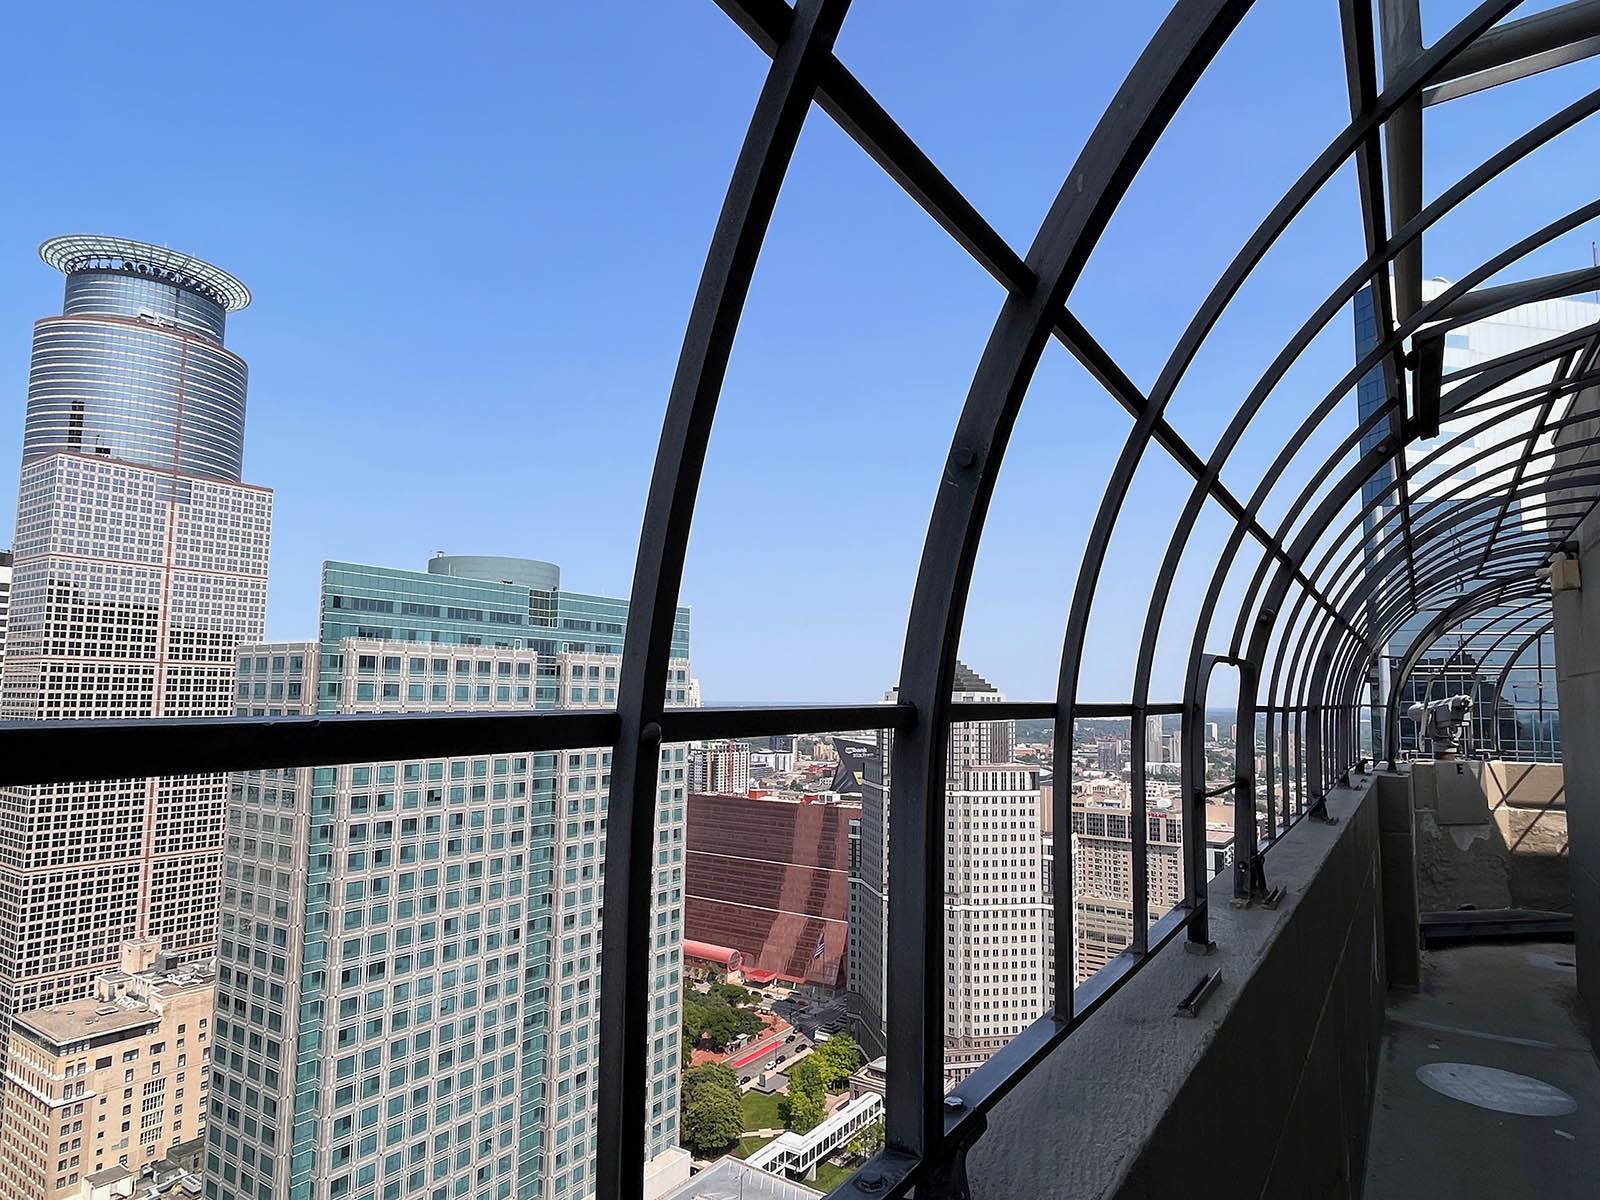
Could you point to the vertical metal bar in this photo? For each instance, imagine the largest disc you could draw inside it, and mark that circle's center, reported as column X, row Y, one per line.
column 1137, row 845
column 1246, row 836
column 1192, row 787
column 1269, row 772
column 623, row 1069
column 1283, row 758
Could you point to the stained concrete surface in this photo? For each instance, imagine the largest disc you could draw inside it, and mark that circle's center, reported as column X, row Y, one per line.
column 1512, row 1007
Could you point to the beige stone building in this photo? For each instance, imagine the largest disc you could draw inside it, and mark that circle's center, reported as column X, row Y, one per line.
column 115, row 1080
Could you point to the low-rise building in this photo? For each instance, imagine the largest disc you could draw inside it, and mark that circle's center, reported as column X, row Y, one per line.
column 114, row 1080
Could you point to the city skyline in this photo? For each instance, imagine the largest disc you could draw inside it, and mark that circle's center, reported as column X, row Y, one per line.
column 377, row 313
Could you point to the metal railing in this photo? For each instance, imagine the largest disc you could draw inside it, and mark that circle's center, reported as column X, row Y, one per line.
column 1319, row 607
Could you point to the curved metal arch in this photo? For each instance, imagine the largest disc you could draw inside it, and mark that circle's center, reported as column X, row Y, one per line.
column 1512, row 153
column 1505, row 673
column 1509, row 155
column 1408, row 83
column 1034, row 311
column 1350, row 484
column 1473, row 604
column 1372, row 358
column 1361, row 585
column 1182, row 48
column 774, row 131
column 1487, row 596
column 1399, row 609
column 1360, row 474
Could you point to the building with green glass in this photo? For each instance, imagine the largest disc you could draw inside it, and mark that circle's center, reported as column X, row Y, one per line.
column 434, row 1031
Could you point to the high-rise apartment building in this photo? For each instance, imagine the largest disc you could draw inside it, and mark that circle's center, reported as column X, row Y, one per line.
column 140, row 565
column 973, row 745
column 995, row 919
column 720, row 768
column 1102, row 868
column 1108, row 754
column 408, row 975
column 113, row 1079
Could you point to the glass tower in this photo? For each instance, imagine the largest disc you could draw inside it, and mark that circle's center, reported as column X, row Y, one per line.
column 408, row 976
column 140, row 565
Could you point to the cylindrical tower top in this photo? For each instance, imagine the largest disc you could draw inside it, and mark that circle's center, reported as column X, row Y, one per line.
column 524, row 572
column 134, row 368
column 75, row 252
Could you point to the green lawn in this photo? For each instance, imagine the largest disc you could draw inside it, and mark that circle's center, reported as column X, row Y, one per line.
column 748, row 1146
column 830, row 1176
column 760, row 1111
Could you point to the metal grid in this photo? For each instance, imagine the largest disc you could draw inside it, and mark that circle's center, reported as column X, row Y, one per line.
column 1319, row 606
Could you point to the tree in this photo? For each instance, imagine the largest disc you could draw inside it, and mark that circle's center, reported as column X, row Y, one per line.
column 712, row 1117
column 806, row 1078
column 800, row 1111
column 714, row 1019
column 867, row 1142
column 732, row 993
column 837, row 1059
column 706, row 1075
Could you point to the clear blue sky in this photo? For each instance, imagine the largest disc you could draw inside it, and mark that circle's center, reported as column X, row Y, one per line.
column 473, row 234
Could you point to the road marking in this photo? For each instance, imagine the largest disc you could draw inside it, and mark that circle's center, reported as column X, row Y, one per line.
column 1412, row 1023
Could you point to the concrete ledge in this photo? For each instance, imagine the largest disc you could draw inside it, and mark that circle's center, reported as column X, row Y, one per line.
column 1266, row 1093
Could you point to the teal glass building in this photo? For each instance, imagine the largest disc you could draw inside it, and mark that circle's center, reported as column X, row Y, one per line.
column 434, row 1033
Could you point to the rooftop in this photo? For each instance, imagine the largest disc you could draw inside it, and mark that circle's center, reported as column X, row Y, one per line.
column 731, row 1178
column 74, row 252
column 77, row 1020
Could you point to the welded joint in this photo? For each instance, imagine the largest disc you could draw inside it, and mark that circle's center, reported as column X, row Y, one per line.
column 947, row 1180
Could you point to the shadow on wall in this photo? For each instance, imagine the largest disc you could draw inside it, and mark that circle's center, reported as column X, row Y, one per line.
column 1491, row 835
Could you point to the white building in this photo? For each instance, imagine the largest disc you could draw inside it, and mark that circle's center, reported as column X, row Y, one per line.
column 987, row 808
column 995, row 917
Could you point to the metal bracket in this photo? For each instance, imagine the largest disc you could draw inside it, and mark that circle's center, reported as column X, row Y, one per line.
column 1257, row 893
column 1191, row 1004
column 948, row 1179
column 1319, row 812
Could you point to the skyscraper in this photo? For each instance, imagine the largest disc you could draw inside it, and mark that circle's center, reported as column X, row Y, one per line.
column 995, row 918
column 140, row 566
column 983, row 787
column 1153, row 749
column 408, row 984
column 5, row 597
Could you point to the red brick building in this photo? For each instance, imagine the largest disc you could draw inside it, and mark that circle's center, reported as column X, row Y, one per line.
column 770, row 878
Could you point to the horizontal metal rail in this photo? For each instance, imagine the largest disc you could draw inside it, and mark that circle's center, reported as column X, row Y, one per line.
column 46, row 752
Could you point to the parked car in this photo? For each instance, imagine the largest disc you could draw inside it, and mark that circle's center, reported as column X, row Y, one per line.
column 772, row 1064
column 791, row 1037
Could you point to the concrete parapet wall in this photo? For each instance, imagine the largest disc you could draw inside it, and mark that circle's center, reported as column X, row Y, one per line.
column 1266, row 1093
column 1491, row 835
